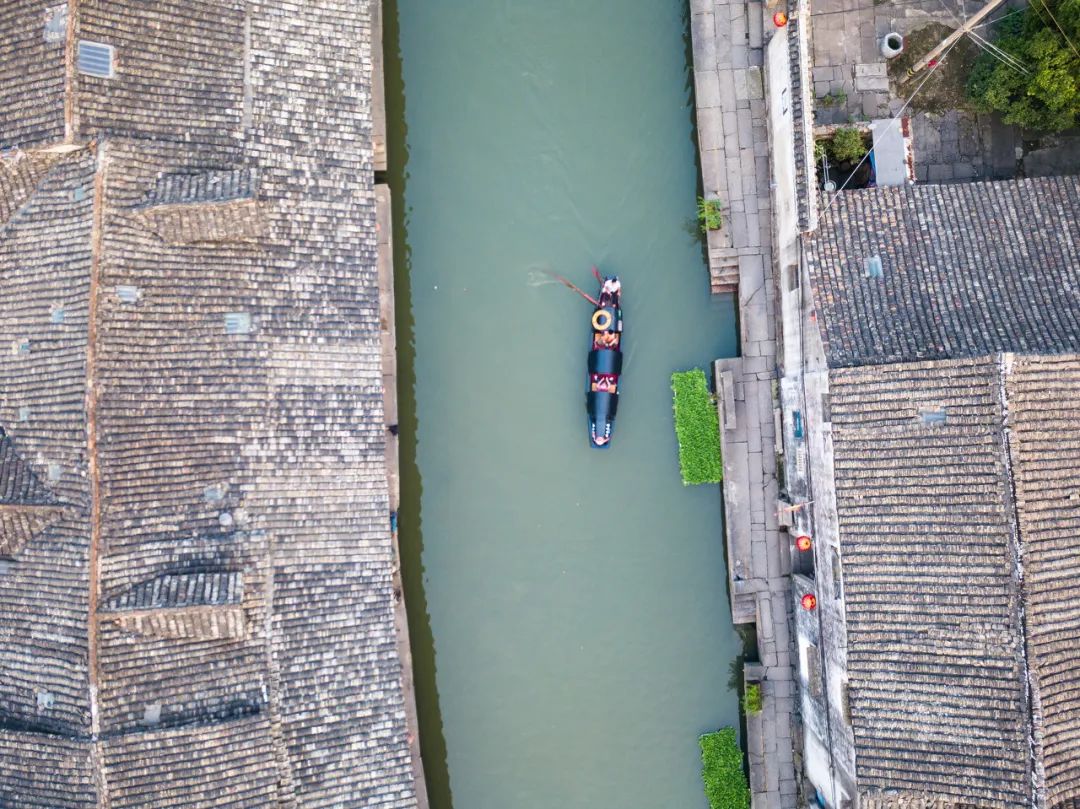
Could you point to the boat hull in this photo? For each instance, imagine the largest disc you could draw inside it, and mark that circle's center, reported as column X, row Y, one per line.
column 605, row 365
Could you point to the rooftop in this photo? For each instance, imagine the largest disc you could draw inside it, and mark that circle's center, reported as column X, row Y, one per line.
column 956, row 484
column 196, row 603
column 967, row 270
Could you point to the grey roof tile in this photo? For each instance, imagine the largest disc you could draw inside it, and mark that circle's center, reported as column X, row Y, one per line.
column 968, row 270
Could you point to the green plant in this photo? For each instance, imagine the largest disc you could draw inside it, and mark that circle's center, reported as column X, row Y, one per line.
column 819, row 150
column 697, row 427
column 833, row 98
column 722, row 770
column 710, row 213
column 751, row 699
column 847, row 144
column 1047, row 96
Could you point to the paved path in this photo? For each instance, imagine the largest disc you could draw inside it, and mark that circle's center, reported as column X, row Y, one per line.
column 728, row 39
column 732, row 133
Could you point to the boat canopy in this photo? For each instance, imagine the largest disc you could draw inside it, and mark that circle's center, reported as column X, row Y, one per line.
column 602, row 405
column 605, row 361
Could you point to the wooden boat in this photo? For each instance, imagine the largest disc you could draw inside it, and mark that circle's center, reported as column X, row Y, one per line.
column 605, row 362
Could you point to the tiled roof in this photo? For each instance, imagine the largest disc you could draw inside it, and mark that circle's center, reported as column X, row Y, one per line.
column 956, row 484
column 967, row 270
column 935, row 661
column 209, row 621
column 1044, row 441
column 204, row 187
column 806, row 190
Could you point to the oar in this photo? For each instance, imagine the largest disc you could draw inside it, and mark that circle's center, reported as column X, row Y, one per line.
column 597, row 274
column 585, row 295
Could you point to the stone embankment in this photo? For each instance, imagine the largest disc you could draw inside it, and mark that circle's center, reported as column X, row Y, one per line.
column 729, row 56
column 388, row 339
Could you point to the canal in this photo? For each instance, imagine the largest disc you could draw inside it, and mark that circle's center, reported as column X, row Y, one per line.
column 568, row 607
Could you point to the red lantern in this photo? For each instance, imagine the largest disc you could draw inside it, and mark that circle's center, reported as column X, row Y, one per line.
column 804, row 543
column 779, row 19
column 808, row 601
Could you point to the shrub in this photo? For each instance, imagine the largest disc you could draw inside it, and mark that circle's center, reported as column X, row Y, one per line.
column 1047, row 97
column 847, row 144
column 697, row 427
column 722, row 771
column 710, row 213
column 751, row 699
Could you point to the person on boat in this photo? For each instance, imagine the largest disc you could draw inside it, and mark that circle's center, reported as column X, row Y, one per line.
column 600, row 440
column 607, row 339
column 612, row 287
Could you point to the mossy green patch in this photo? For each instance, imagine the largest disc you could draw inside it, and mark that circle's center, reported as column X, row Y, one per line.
column 722, row 770
column 697, row 427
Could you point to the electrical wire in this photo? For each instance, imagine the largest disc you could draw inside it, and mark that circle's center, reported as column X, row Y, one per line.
column 892, row 122
column 999, row 19
column 1062, row 30
column 1003, row 56
column 1044, row 5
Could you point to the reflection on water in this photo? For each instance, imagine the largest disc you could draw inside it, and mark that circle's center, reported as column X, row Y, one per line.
column 574, row 601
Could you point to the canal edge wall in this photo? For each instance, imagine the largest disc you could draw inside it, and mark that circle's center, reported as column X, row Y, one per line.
column 388, row 339
column 388, row 342
column 729, row 51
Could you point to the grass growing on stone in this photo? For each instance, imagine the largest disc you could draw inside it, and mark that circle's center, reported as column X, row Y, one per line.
column 722, row 770
column 697, row 427
column 751, row 700
column 710, row 214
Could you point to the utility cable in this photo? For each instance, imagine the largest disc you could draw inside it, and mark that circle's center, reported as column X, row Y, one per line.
column 892, row 121
column 999, row 19
column 1062, row 30
column 1003, row 56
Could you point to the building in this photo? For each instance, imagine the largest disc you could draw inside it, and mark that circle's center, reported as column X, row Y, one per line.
column 196, row 603
column 932, row 452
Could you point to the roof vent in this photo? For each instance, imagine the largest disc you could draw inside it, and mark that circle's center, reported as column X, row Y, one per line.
column 24, row 413
column 96, row 59
column 933, row 418
column 128, row 294
column 5, row 567
column 237, row 323
column 57, row 314
column 45, row 700
column 20, row 347
column 54, row 472
column 152, row 714
column 874, row 268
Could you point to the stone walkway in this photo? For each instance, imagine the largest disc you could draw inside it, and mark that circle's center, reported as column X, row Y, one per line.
column 728, row 39
column 732, row 133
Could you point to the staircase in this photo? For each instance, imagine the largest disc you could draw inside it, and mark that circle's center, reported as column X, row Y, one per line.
column 724, row 269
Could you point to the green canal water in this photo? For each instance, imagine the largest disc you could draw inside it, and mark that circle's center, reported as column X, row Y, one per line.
column 568, row 606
